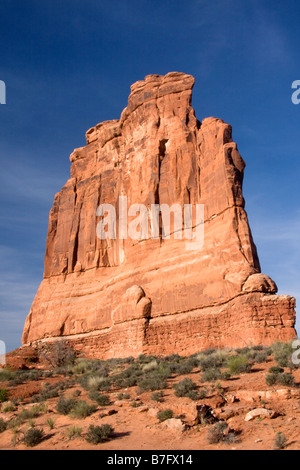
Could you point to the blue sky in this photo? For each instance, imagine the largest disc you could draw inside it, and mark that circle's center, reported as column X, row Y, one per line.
column 69, row 64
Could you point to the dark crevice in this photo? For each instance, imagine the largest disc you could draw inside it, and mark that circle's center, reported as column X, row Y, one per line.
column 161, row 156
column 75, row 250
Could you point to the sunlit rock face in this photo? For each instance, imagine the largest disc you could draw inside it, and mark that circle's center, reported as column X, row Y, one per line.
column 124, row 296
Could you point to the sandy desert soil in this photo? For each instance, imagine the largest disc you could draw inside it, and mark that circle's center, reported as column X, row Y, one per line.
column 134, row 419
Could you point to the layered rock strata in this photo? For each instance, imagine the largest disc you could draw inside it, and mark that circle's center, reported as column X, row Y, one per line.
column 121, row 297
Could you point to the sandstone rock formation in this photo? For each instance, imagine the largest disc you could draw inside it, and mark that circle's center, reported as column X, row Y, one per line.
column 121, row 297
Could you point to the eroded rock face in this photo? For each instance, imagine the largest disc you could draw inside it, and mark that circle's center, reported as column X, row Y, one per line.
column 122, row 296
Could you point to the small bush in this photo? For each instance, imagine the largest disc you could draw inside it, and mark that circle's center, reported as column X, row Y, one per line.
column 184, row 387
column 31, row 413
column 280, row 441
column 73, row 432
column 192, row 395
column 6, row 375
column 286, row 379
column 33, row 437
column 65, row 405
column 276, row 370
column 238, row 365
column 96, row 382
column 59, row 354
column 97, row 434
column 280, row 378
column 182, row 368
column 9, row 407
column 283, row 354
column 4, row 395
column 213, row 359
column 3, row 425
column 82, row 366
column 50, row 423
column 216, row 433
column 271, row 379
column 165, row 414
column 123, row 396
column 211, row 375
column 82, row 410
column 151, row 382
column 102, row 400
column 150, row 366
column 157, row 396
column 202, row 393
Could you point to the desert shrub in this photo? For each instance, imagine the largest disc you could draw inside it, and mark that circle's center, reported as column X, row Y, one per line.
column 96, row 381
column 283, row 354
column 6, row 375
column 258, row 347
column 31, row 413
column 193, row 395
column 211, row 375
column 50, row 423
column 150, row 366
column 73, row 432
column 172, row 358
column 65, row 405
column 128, row 377
column 21, row 376
column 157, row 396
column 216, row 433
column 151, row 382
column 10, row 406
column 143, row 359
column 165, row 414
column 102, row 400
column 257, row 356
column 238, row 364
column 286, row 379
column 33, row 437
column 280, row 378
column 181, row 368
column 276, row 370
column 184, row 387
column 82, row 409
column 4, row 395
column 82, row 366
column 49, row 391
column 163, row 371
column 280, row 441
column 97, row 434
column 21, row 418
column 271, row 379
column 126, row 382
column 202, row 393
column 123, row 396
column 3, row 425
column 213, row 360
column 58, row 354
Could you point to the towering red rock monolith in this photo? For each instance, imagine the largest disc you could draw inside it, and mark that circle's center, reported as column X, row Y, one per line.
column 120, row 297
